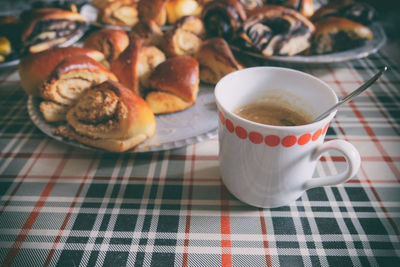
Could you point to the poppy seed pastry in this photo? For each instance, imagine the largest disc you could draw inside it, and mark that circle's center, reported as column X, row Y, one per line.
column 216, row 60
column 222, row 18
column 34, row 69
column 276, row 30
column 174, row 85
column 66, row 83
column 48, row 27
column 109, row 116
column 111, row 42
column 337, row 34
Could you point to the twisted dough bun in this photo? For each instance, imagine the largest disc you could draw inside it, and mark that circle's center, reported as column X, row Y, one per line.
column 216, row 60
column 34, row 69
column 153, row 10
column 109, row 116
column 111, row 42
column 278, row 30
column 69, row 79
column 135, row 63
column 174, row 85
column 119, row 13
column 184, row 38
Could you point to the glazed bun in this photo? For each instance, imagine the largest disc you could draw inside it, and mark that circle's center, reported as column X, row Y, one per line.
column 174, row 85
column 34, row 69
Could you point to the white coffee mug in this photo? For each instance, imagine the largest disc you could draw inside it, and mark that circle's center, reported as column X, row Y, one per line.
column 270, row 166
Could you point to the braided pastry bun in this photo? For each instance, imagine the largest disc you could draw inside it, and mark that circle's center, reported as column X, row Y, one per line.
column 119, row 13
column 109, row 116
column 277, row 30
column 111, row 42
column 174, row 85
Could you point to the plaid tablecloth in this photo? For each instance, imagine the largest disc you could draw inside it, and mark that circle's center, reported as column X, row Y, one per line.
column 63, row 206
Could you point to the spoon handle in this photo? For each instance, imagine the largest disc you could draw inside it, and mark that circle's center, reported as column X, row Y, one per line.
column 352, row 94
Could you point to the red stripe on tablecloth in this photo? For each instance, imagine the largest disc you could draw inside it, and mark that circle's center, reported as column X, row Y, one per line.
column 265, row 239
column 67, row 217
column 226, row 256
column 189, row 207
column 22, row 180
column 13, row 251
column 368, row 129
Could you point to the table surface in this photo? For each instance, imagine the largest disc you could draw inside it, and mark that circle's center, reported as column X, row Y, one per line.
column 63, row 206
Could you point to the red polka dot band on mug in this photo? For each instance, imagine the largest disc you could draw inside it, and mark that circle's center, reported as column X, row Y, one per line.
column 271, row 140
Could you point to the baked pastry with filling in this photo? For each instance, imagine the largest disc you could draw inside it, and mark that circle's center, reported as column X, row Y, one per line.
column 216, row 60
column 66, row 83
column 177, row 9
column 174, row 85
column 222, row 18
column 109, row 116
column 184, row 38
column 119, row 13
column 276, row 30
column 148, row 31
column 111, row 42
column 44, row 28
column 34, row 69
column 305, row 7
column 334, row 34
column 135, row 63
column 356, row 11
column 153, row 10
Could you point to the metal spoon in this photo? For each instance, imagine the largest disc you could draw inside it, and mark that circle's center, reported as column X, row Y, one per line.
column 352, row 94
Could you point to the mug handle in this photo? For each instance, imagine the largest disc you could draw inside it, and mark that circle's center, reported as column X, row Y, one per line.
column 351, row 155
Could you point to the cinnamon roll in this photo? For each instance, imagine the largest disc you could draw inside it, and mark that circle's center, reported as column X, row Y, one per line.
column 334, row 34
column 48, row 27
column 109, row 116
column 111, row 42
column 69, row 79
column 222, row 18
column 277, row 30
column 174, row 85
column 216, row 60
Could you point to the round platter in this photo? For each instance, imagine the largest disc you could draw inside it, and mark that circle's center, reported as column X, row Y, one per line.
column 174, row 130
column 370, row 47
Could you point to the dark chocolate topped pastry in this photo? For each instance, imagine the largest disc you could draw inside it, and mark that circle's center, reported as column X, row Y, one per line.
column 277, row 30
column 223, row 18
column 356, row 11
column 337, row 34
column 305, row 7
column 48, row 27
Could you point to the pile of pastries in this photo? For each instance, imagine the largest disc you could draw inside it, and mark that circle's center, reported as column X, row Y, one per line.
column 269, row 27
column 43, row 26
column 107, row 93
